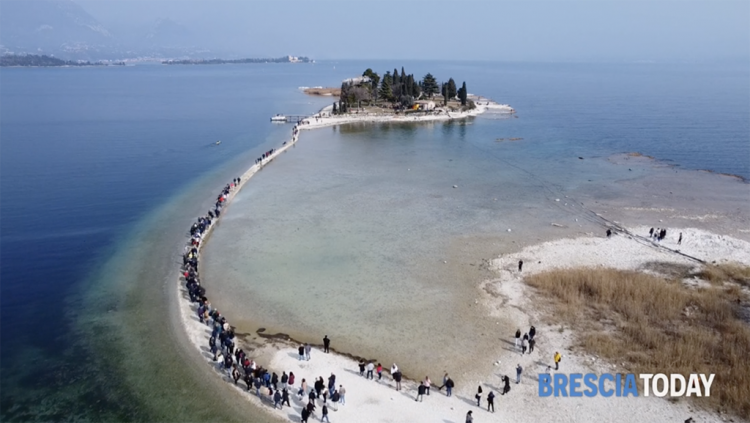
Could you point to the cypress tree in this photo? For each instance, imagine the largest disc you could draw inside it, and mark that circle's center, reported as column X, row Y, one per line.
column 452, row 88
column 386, row 93
column 462, row 95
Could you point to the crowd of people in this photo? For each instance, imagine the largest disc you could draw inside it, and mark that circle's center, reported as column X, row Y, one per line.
column 275, row 389
column 231, row 360
column 659, row 234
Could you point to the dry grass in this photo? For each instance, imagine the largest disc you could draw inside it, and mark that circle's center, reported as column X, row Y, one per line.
column 720, row 273
column 655, row 325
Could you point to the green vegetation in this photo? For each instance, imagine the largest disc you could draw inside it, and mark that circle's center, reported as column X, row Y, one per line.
column 656, row 324
column 45, row 61
column 399, row 91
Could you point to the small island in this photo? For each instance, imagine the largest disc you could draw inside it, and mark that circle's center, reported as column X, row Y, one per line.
column 32, row 60
column 285, row 59
column 397, row 97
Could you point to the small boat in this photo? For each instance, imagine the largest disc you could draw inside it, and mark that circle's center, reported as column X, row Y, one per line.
column 218, row 142
column 278, row 118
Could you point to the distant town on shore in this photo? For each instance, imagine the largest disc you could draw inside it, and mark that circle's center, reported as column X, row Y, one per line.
column 33, row 60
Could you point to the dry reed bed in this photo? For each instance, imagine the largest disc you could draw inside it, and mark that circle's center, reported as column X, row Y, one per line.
column 657, row 325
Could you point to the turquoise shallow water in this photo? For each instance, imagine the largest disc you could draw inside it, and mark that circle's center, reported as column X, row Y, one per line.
column 103, row 168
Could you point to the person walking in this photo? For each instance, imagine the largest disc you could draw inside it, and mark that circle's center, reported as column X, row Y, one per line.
column 276, row 400
column 532, row 342
column 308, row 349
column 284, row 380
column 520, row 265
column 558, row 357
column 301, row 351
column 324, row 413
column 370, row 368
column 361, row 367
column 519, row 370
column 449, row 387
column 311, row 396
column 523, row 343
column 478, row 396
column 518, row 337
column 335, row 398
column 305, row 415
column 319, row 386
column 397, row 379
column 491, row 401
column 469, row 417
column 532, row 332
column 379, row 370
column 445, row 379
column 331, row 383
column 326, row 344
column 427, row 384
column 420, row 392
column 679, row 241
column 342, row 395
column 285, row 397
column 302, row 389
column 506, row 386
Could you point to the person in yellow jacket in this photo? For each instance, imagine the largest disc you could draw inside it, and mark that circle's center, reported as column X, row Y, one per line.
column 558, row 357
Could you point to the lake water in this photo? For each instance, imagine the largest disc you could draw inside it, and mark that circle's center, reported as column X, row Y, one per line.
column 104, row 169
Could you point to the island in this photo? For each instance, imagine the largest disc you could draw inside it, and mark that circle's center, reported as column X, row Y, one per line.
column 397, row 97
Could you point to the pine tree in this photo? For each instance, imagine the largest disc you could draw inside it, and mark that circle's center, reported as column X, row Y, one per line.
column 429, row 85
column 396, row 77
column 444, row 92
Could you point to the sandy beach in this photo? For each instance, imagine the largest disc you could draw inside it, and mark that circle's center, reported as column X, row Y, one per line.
column 504, row 297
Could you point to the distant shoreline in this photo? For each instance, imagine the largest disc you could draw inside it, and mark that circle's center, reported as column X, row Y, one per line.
column 285, row 59
column 43, row 61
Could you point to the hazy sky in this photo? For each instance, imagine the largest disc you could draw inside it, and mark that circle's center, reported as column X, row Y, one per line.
column 481, row 30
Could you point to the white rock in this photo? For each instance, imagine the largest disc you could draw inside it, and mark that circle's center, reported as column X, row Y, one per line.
column 557, row 199
column 509, row 230
column 455, row 186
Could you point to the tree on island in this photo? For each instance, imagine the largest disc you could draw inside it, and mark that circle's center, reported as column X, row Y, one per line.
column 374, row 82
column 462, row 94
column 452, row 88
column 335, row 109
column 429, row 85
column 386, row 93
column 444, row 93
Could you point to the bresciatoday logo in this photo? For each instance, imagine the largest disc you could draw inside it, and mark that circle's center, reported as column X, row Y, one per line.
column 623, row 385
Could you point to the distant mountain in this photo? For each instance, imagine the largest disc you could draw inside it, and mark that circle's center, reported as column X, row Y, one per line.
column 51, row 26
column 63, row 29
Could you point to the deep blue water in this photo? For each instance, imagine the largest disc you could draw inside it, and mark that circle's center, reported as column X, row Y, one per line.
column 86, row 155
